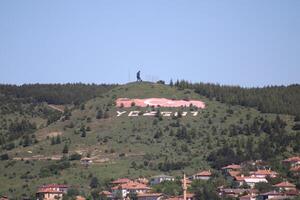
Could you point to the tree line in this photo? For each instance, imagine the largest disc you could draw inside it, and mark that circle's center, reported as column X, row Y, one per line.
column 70, row 93
column 270, row 99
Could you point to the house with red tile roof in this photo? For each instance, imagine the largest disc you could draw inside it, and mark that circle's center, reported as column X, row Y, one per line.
column 51, row 192
column 232, row 167
column 251, row 181
column 295, row 170
column 203, row 175
column 3, row 197
column 123, row 190
column 189, row 196
column 263, row 173
column 285, row 186
column 229, row 168
column 106, row 194
column 150, row 196
column 293, row 161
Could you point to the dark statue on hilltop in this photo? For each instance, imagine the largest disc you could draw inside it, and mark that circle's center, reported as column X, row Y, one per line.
column 138, row 76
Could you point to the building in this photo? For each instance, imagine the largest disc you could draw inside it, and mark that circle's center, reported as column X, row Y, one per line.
column 264, row 173
column 121, row 181
column 150, row 196
column 189, row 196
column 251, row 181
column 161, row 178
column 295, row 170
column 235, row 192
column 232, row 167
column 3, row 197
column 123, row 190
column 292, row 161
column 204, row 175
column 51, row 192
column 106, row 194
column 142, row 180
column 285, row 186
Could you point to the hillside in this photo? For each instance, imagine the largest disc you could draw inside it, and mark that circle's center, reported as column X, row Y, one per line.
column 123, row 146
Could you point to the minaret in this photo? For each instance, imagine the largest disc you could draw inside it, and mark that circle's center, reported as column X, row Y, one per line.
column 184, row 187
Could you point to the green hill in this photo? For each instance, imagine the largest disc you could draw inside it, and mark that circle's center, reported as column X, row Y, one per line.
column 143, row 146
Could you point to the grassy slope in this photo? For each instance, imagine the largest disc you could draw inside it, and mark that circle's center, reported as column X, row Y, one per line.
column 132, row 136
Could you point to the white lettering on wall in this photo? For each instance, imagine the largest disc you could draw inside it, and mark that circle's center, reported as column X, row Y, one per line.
column 166, row 114
column 136, row 113
column 119, row 113
column 151, row 113
column 194, row 113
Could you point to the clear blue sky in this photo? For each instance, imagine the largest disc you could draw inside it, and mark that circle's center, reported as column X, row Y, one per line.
column 242, row 42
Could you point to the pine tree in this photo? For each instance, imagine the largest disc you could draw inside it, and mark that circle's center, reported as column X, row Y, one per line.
column 65, row 149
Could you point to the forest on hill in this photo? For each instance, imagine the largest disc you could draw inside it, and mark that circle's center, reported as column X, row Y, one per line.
column 70, row 93
column 269, row 99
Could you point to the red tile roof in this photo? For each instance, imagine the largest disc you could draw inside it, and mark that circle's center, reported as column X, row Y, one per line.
column 292, row 159
column 204, row 173
column 264, row 172
column 49, row 190
column 295, row 169
column 285, row 184
column 233, row 166
column 131, row 186
column 106, row 193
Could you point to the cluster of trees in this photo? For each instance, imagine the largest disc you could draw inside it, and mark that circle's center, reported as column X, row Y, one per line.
column 172, row 165
column 271, row 99
column 274, row 142
column 18, row 129
column 54, row 169
column 55, row 140
column 56, row 93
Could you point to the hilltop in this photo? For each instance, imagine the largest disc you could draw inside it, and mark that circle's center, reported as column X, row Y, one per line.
column 139, row 146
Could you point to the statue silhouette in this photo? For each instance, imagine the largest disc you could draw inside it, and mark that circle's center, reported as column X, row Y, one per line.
column 138, row 76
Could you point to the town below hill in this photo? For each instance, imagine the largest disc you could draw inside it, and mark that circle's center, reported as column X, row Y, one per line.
column 250, row 180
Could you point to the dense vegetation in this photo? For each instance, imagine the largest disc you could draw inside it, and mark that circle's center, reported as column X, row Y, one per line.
column 56, row 93
column 271, row 99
